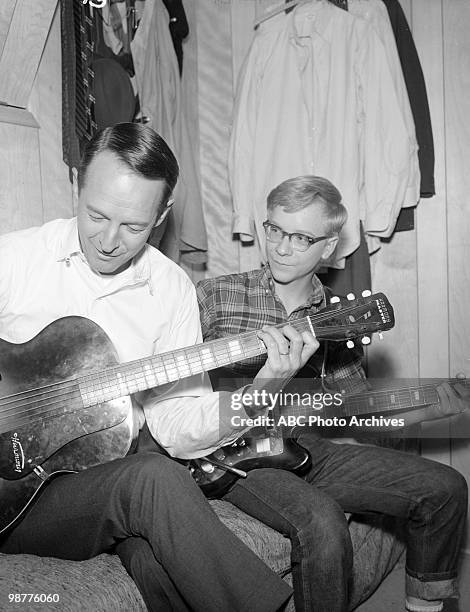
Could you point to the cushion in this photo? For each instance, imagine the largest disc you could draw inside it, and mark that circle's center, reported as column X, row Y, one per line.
column 102, row 583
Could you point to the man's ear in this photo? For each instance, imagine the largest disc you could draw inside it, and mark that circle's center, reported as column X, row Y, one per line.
column 74, row 189
column 165, row 212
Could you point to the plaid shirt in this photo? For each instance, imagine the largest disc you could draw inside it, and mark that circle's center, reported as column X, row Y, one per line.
column 236, row 303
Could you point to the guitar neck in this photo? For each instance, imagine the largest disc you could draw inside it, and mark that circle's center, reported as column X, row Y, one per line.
column 395, row 400
column 390, row 400
column 382, row 401
column 158, row 370
column 335, row 322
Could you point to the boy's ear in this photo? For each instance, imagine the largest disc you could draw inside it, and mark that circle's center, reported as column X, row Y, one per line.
column 330, row 246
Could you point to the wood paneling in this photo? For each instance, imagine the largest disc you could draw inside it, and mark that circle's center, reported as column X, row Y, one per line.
column 18, row 116
column 23, row 48
column 46, row 105
column 20, row 180
column 431, row 214
column 456, row 24
column 431, row 222
column 6, row 13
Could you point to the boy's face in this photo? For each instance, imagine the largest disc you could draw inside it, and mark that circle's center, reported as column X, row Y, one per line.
column 288, row 265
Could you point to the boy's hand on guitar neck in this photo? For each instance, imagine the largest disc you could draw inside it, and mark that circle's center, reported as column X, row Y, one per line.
column 454, row 398
column 288, row 351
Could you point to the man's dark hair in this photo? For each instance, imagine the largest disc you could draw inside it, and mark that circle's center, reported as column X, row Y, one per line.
column 140, row 148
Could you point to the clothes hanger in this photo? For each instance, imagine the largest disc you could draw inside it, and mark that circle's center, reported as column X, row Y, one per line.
column 287, row 5
column 279, row 9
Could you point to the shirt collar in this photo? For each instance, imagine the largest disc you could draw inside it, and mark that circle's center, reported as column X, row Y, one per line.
column 317, row 297
column 309, row 18
column 68, row 246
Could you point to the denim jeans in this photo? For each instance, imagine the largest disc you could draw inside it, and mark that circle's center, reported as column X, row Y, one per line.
column 149, row 509
column 431, row 497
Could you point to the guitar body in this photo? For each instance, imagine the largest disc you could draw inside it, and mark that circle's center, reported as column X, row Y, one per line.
column 45, row 429
column 248, row 454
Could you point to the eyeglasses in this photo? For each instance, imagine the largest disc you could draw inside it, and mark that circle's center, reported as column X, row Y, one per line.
column 299, row 242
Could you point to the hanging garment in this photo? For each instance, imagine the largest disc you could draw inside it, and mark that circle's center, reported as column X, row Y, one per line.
column 317, row 96
column 416, row 87
column 376, row 14
column 159, row 88
column 179, row 27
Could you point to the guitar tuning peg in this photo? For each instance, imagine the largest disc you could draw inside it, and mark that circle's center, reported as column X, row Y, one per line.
column 334, row 299
column 351, row 296
column 350, row 344
column 365, row 340
column 381, row 336
column 366, row 293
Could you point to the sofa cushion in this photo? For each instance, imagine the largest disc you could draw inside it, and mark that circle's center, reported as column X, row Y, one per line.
column 102, row 583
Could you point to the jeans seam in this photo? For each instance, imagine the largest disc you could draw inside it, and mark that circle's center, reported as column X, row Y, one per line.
column 305, row 595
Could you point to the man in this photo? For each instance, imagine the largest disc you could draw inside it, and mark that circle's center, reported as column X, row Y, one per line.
column 304, row 218
column 99, row 266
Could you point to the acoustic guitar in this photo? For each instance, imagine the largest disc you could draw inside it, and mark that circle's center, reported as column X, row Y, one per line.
column 64, row 399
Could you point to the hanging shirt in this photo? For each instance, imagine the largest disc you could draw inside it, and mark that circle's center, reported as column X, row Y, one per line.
column 159, row 88
column 147, row 309
column 316, row 96
column 375, row 13
column 416, row 87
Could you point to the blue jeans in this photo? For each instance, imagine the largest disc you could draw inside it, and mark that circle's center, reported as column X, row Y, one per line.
column 149, row 509
column 431, row 497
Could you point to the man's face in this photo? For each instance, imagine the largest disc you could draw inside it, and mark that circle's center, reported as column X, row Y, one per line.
column 288, row 265
column 117, row 209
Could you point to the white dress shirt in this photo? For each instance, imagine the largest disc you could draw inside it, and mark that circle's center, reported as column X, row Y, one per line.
column 147, row 309
column 317, row 96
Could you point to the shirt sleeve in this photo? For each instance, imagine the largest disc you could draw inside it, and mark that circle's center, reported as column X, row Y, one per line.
column 242, row 147
column 186, row 418
column 206, row 297
column 6, row 273
column 388, row 146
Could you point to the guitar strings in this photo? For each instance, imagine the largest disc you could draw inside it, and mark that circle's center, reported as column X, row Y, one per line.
column 45, row 393
column 249, row 334
column 42, row 392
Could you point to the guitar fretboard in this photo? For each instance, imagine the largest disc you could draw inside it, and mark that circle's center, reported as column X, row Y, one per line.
column 335, row 323
column 169, row 367
column 390, row 400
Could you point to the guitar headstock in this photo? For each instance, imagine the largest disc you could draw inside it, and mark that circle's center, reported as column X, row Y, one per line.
column 354, row 318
